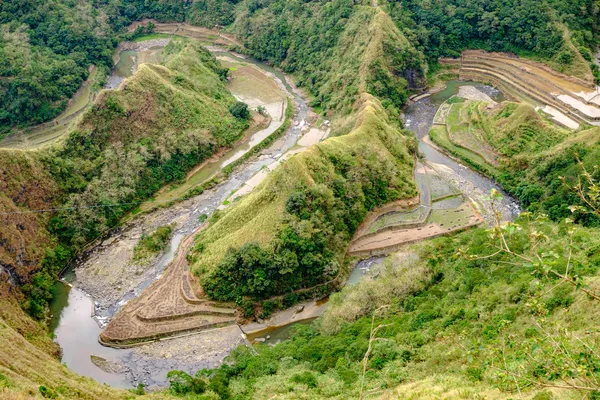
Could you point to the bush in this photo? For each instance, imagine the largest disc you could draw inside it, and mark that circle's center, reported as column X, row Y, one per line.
column 47, row 392
column 152, row 244
column 240, row 110
column 305, row 378
column 181, row 383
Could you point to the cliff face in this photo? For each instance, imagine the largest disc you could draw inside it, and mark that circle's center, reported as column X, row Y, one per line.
column 24, row 185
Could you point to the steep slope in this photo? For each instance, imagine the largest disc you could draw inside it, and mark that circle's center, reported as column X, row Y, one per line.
column 561, row 33
column 45, row 50
column 447, row 326
column 333, row 49
column 292, row 232
column 161, row 123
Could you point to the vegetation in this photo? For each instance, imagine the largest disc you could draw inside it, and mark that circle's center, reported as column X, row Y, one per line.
column 163, row 122
column 322, row 195
column 337, row 50
column 536, row 157
column 181, row 114
column 149, row 246
column 484, row 320
column 561, row 33
column 46, row 48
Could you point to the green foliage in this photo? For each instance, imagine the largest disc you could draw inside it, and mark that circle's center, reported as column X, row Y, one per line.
column 46, row 48
column 240, row 110
column 47, row 393
column 472, row 313
column 318, row 221
column 150, row 245
column 181, row 383
column 123, row 162
column 305, row 378
column 498, row 25
column 4, row 381
column 326, row 44
column 140, row 389
column 40, row 289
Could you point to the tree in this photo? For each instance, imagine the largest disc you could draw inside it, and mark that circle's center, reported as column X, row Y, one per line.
column 240, row 110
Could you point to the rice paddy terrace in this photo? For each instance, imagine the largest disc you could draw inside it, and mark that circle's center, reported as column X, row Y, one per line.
column 440, row 209
column 168, row 307
column 570, row 101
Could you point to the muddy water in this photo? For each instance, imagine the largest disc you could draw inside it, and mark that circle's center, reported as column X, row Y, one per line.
column 72, row 324
column 129, row 61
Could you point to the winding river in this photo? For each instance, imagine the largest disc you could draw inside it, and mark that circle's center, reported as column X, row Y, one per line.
column 77, row 332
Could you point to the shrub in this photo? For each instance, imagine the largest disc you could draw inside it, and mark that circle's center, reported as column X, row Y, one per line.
column 181, row 383
column 240, row 110
column 305, row 378
column 47, row 392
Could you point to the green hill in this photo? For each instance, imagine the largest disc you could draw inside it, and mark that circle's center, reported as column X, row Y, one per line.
column 533, row 154
column 161, row 123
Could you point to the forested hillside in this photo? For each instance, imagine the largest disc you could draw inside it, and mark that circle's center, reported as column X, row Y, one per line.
column 509, row 312
column 562, row 33
column 324, row 193
column 46, row 48
column 484, row 325
column 326, row 46
column 161, row 123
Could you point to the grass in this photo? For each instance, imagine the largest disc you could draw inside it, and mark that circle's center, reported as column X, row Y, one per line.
column 439, row 135
column 251, row 218
column 152, row 36
column 151, row 245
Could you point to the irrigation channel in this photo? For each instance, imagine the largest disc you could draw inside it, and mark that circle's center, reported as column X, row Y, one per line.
column 102, row 283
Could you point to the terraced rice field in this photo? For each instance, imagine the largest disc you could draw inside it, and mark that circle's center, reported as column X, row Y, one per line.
column 463, row 131
column 574, row 100
column 169, row 307
column 445, row 210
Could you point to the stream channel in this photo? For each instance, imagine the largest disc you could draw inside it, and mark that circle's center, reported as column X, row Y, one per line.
column 78, row 319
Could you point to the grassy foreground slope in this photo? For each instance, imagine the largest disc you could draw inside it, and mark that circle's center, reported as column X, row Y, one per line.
column 452, row 327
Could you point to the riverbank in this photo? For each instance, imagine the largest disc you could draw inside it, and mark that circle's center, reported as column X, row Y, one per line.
column 109, row 267
column 186, row 217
